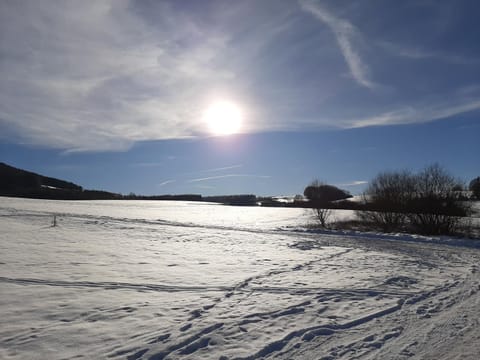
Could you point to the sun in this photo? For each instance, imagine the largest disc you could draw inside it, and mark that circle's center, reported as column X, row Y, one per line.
column 223, row 118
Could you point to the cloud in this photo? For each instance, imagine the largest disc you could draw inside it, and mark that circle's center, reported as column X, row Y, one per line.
column 166, row 182
column 97, row 76
column 411, row 114
column 212, row 170
column 147, row 164
column 345, row 34
column 227, row 176
column 420, row 53
column 222, row 168
column 354, row 183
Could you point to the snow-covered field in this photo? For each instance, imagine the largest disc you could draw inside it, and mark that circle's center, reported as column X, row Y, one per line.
column 178, row 280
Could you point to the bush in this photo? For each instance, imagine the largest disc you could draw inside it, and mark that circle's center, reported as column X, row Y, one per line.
column 427, row 202
column 436, row 207
column 474, row 187
column 388, row 196
column 322, row 215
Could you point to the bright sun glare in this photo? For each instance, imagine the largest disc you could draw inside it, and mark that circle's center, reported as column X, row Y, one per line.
column 223, row 118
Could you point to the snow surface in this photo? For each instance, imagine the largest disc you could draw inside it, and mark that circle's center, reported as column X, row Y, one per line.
column 180, row 280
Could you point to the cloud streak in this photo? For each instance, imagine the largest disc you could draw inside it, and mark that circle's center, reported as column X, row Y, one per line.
column 414, row 115
column 227, row 176
column 354, row 183
column 345, row 34
column 419, row 53
column 166, row 182
column 147, row 164
column 222, row 168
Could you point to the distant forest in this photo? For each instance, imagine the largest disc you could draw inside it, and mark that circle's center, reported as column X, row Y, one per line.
column 21, row 183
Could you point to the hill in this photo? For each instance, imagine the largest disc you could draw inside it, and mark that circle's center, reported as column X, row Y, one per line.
column 21, row 183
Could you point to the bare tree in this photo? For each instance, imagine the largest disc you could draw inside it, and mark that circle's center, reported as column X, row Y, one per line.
column 436, row 207
column 387, row 196
column 427, row 202
column 321, row 195
column 323, row 215
column 474, row 187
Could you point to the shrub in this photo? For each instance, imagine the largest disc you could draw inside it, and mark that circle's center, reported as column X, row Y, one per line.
column 435, row 207
column 388, row 196
column 474, row 187
column 322, row 215
column 427, row 202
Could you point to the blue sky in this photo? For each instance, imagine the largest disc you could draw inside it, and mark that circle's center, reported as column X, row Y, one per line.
column 111, row 94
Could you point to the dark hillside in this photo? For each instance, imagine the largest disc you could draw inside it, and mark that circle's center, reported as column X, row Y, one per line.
column 20, row 183
column 13, row 179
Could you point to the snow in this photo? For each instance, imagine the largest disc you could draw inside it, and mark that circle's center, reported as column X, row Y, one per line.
column 49, row 187
column 180, row 280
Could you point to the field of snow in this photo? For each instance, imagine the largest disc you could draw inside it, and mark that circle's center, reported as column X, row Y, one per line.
column 179, row 280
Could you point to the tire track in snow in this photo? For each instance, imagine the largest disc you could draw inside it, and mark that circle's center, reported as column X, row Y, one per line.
column 122, row 223
column 115, row 285
column 179, row 288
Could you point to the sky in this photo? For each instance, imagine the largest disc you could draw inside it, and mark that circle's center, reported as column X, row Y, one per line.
column 113, row 94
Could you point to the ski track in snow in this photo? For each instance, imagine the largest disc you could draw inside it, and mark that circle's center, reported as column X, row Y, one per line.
column 105, row 285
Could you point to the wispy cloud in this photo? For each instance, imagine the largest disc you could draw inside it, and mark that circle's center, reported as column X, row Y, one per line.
column 227, row 176
column 222, row 168
column 354, row 183
column 166, row 182
column 147, row 164
column 420, row 53
column 101, row 75
column 345, row 34
column 98, row 76
column 212, row 170
column 414, row 114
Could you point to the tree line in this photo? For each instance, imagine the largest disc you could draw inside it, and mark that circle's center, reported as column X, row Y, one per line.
column 431, row 201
